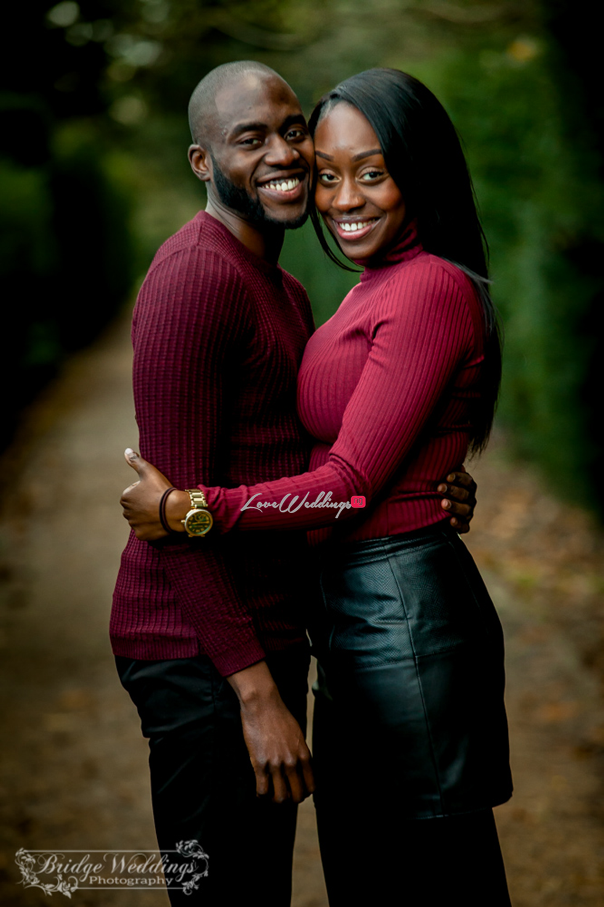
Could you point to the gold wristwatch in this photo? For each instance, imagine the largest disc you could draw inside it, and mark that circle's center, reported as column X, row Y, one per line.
column 198, row 520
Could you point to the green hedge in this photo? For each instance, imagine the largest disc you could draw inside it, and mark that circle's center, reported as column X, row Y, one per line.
column 65, row 260
column 542, row 202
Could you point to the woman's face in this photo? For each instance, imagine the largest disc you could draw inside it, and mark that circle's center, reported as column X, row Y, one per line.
column 360, row 203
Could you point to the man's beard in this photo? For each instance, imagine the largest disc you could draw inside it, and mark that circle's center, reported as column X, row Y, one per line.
column 237, row 199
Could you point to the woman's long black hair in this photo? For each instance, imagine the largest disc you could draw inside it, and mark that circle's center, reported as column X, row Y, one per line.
column 424, row 157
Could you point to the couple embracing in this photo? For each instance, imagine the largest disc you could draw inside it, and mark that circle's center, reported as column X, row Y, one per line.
column 238, row 399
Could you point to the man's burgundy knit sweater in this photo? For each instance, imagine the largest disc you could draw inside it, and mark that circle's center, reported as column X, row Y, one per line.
column 218, row 337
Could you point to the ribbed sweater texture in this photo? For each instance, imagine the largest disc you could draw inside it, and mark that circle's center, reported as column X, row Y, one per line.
column 218, row 337
column 385, row 388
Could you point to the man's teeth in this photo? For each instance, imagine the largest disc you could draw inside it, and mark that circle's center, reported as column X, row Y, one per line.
column 283, row 185
column 352, row 228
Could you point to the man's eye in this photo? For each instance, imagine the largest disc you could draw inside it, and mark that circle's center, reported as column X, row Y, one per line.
column 251, row 141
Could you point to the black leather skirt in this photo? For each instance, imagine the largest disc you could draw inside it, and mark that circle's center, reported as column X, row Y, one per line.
column 411, row 678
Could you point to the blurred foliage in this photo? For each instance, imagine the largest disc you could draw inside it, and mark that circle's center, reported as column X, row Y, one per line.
column 65, row 241
column 94, row 100
column 542, row 204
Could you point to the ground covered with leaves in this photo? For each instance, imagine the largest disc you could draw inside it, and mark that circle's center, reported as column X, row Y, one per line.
column 74, row 772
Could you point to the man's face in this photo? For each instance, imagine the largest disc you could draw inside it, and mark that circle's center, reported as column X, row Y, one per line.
column 262, row 153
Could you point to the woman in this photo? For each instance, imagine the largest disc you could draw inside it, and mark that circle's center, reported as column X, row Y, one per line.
column 410, row 737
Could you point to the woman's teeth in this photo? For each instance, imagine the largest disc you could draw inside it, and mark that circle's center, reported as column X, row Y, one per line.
column 352, row 228
column 283, row 185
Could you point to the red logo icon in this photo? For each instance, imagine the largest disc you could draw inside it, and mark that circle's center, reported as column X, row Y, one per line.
column 357, row 500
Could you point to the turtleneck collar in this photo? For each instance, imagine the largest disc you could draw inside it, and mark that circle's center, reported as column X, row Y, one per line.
column 405, row 249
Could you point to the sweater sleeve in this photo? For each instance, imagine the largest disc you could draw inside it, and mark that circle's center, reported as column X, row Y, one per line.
column 186, row 333
column 421, row 334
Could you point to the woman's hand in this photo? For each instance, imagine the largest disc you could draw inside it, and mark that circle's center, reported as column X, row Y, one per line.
column 140, row 501
column 461, row 499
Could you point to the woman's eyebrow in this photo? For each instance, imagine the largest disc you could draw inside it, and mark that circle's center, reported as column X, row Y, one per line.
column 356, row 157
column 362, row 154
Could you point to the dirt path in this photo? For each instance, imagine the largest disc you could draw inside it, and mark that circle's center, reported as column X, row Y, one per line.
column 74, row 772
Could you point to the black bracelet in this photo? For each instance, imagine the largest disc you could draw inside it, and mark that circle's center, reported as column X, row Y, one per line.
column 162, row 509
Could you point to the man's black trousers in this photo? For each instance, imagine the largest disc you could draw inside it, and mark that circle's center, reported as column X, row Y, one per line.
column 202, row 782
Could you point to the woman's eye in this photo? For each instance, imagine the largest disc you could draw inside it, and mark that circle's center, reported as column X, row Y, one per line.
column 327, row 178
column 372, row 175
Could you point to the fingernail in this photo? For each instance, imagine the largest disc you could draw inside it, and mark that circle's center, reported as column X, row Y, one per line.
column 446, row 504
column 130, row 453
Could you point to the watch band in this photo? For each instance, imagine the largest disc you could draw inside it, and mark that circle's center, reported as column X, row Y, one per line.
column 198, row 520
column 198, row 499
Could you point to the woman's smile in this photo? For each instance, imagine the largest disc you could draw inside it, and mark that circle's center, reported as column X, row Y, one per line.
column 355, row 230
column 361, row 204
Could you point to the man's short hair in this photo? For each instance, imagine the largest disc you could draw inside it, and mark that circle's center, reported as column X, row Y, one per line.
column 202, row 106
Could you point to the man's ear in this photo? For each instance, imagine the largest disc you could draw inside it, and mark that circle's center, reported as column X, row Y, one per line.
column 201, row 162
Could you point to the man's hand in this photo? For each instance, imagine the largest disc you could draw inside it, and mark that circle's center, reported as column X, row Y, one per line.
column 278, row 751
column 140, row 501
column 461, row 499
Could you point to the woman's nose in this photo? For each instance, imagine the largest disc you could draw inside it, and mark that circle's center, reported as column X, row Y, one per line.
column 348, row 196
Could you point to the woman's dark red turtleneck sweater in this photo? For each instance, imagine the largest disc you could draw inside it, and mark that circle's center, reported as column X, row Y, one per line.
column 384, row 387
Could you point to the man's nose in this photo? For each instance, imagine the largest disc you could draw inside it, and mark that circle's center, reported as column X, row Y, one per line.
column 280, row 153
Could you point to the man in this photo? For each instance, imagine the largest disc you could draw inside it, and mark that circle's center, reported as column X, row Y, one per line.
column 209, row 633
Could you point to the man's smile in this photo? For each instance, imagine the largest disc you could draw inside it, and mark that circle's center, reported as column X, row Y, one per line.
column 287, row 187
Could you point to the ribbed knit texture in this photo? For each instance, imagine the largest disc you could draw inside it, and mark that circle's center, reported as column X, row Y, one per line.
column 218, row 337
column 384, row 388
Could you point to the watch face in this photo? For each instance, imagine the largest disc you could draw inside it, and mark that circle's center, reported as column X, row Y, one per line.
column 199, row 522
